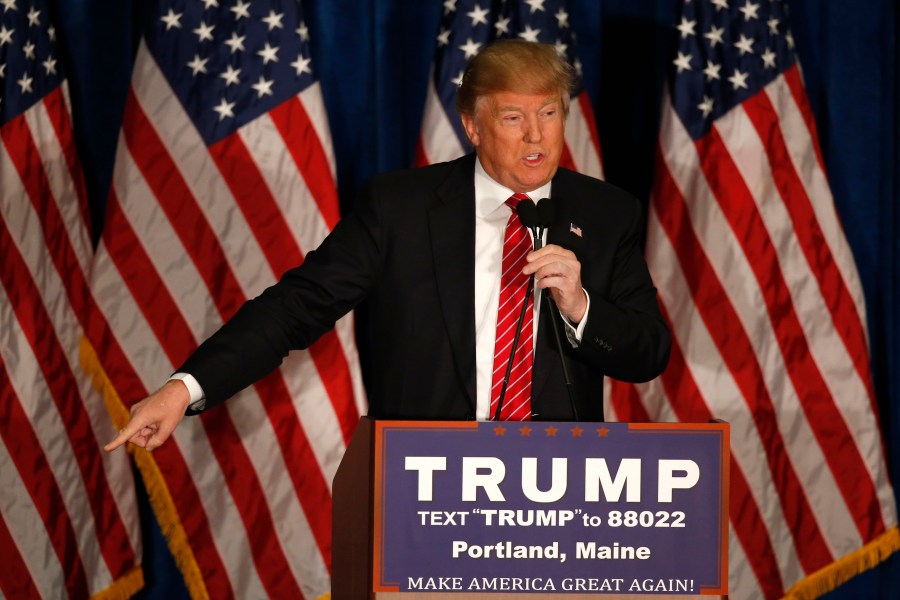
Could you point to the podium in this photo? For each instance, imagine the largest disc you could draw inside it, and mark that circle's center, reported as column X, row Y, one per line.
column 465, row 510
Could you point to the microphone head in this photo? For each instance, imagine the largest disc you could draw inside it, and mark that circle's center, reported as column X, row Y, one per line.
column 528, row 213
column 546, row 212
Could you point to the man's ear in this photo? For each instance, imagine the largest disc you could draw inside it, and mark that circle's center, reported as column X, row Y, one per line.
column 468, row 122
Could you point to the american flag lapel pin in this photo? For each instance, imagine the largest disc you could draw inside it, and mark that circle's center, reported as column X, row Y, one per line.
column 573, row 228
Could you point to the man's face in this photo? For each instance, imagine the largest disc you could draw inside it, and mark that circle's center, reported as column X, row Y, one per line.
column 518, row 137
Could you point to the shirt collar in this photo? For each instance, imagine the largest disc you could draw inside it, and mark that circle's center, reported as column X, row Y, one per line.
column 491, row 195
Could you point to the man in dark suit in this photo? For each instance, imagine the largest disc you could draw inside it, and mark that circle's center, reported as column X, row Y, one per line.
column 423, row 252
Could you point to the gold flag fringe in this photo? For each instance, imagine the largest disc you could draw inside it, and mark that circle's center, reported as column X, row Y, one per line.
column 828, row 578
column 124, row 587
column 158, row 492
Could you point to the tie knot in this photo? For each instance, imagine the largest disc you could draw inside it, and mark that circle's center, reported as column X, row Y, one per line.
column 514, row 200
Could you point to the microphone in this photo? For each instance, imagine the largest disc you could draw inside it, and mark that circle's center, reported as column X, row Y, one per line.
column 546, row 214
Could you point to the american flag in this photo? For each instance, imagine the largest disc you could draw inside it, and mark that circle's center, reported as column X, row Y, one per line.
column 69, row 523
column 766, row 308
column 224, row 178
column 466, row 28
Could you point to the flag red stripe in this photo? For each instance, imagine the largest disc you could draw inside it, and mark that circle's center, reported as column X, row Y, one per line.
column 747, row 520
column 587, row 112
column 823, row 416
column 43, row 339
column 565, row 159
column 173, row 194
column 24, row 447
column 302, row 141
column 421, row 157
column 835, row 292
column 737, row 353
column 58, row 112
column 627, row 403
column 795, row 84
column 282, row 252
column 15, row 580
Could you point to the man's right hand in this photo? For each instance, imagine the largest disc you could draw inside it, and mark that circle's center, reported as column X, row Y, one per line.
column 154, row 418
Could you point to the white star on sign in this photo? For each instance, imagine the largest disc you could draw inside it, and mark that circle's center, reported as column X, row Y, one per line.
column 457, row 81
column 749, row 9
column 172, row 19
column 712, row 70
column 8, row 5
column 706, row 106
column 561, row 48
column 241, row 9
column 738, row 80
column 715, row 36
column 29, row 50
column 768, row 59
column 204, row 32
column 50, row 65
column 301, row 65
column 225, row 109
column 686, row 27
column 720, row 4
column 263, row 87
column 208, row 3
column 5, row 35
column 198, row 65
column 683, row 62
column 33, row 17
column 790, row 40
column 449, row 6
column 745, row 45
column 268, row 54
column 443, row 37
column 478, row 15
column 530, row 35
column 273, row 20
column 236, row 42
column 773, row 25
column 470, row 48
column 562, row 18
column 502, row 25
column 230, row 76
column 303, row 32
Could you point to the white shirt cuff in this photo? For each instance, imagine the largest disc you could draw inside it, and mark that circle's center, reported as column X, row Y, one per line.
column 198, row 399
column 574, row 333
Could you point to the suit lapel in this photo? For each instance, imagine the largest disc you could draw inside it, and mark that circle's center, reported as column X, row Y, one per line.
column 452, row 231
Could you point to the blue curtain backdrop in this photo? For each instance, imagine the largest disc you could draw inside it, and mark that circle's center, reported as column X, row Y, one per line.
column 372, row 57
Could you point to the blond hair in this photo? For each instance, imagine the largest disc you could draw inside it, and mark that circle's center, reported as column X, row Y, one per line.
column 515, row 66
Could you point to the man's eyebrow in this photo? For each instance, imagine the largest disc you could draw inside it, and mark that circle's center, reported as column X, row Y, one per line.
column 516, row 107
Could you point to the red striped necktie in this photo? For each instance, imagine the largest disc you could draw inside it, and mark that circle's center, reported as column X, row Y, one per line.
column 513, row 285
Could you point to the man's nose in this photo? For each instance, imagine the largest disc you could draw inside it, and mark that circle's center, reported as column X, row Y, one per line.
column 533, row 133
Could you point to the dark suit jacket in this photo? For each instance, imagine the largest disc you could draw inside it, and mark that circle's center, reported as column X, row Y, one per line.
column 408, row 251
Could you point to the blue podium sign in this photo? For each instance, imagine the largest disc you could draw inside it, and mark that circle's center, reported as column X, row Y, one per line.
column 568, row 508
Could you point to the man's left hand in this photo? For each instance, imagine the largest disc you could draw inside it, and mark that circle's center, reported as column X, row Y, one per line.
column 558, row 270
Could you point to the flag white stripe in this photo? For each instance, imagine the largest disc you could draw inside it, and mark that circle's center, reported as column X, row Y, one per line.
column 742, row 581
column 438, row 136
column 311, row 99
column 581, row 143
